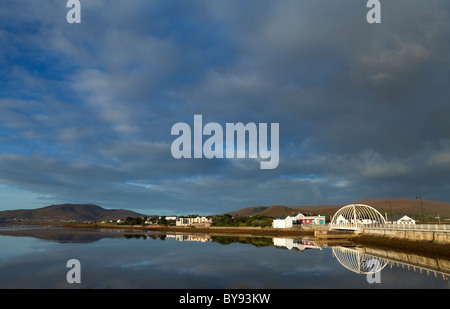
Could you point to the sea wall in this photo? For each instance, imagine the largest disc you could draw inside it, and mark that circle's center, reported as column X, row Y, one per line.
column 432, row 236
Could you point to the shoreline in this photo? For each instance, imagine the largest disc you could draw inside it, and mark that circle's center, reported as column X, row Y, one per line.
column 252, row 231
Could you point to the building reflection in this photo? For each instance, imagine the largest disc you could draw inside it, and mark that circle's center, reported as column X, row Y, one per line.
column 296, row 244
column 190, row 237
column 360, row 260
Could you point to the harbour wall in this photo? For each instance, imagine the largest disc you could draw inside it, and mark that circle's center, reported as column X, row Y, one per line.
column 439, row 237
column 414, row 235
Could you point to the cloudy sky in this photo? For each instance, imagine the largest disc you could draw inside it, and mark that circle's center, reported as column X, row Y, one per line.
column 86, row 110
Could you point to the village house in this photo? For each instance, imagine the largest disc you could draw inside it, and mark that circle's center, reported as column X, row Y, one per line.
column 290, row 221
column 342, row 220
column 392, row 220
column 196, row 221
column 402, row 220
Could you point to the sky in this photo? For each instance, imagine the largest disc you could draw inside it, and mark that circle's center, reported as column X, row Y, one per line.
column 86, row 110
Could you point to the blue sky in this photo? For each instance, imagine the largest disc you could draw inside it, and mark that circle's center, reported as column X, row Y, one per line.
column 86, row 109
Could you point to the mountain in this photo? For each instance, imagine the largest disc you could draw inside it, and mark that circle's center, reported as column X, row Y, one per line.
column 391, row 206
column 67, row 212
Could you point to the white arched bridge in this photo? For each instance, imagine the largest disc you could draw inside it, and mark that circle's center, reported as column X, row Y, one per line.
column 353, row 216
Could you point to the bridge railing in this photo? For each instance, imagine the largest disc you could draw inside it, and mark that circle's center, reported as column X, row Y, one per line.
column 412, row 227
column 345, row 226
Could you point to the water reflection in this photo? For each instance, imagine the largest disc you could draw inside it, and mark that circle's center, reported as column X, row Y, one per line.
column 355, row 258
column 301, row 244
column 62, row 235
column 174, row 260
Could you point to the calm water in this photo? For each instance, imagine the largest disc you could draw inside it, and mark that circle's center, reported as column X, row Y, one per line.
column 36, row 258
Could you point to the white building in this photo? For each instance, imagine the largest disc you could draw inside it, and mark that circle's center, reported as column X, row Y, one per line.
column 405, row 220
column 401, row 220
column 290, row 221
column 341, row 220
column 192, row 221
column 170, row 217
column 282, row 222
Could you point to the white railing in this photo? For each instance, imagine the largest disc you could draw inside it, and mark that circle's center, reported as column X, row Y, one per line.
column 346, row 226
column 391, row 226
column 412, row 227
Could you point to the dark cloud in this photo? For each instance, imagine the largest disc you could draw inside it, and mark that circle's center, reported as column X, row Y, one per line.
column 86, row 110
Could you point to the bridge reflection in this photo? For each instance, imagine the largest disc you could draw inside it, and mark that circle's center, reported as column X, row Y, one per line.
column 360, row 260
column 365, row 260
column 356, row 259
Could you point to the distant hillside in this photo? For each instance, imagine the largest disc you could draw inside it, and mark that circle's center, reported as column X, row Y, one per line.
column 391, row 206
column 66, row 212
column 277, row 210
column 410, row 206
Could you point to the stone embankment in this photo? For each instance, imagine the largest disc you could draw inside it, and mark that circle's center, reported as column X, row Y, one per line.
column 411, row 235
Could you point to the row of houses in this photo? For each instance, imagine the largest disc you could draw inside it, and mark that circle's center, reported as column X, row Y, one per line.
column 291, row 221
column 393, row 220
column 182, row 221
column 287, row 221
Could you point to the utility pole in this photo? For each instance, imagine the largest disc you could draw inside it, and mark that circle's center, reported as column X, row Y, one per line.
column 390, row 209
column 421, row 205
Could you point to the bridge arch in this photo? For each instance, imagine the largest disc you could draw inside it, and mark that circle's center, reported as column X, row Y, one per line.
column 352, row 216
